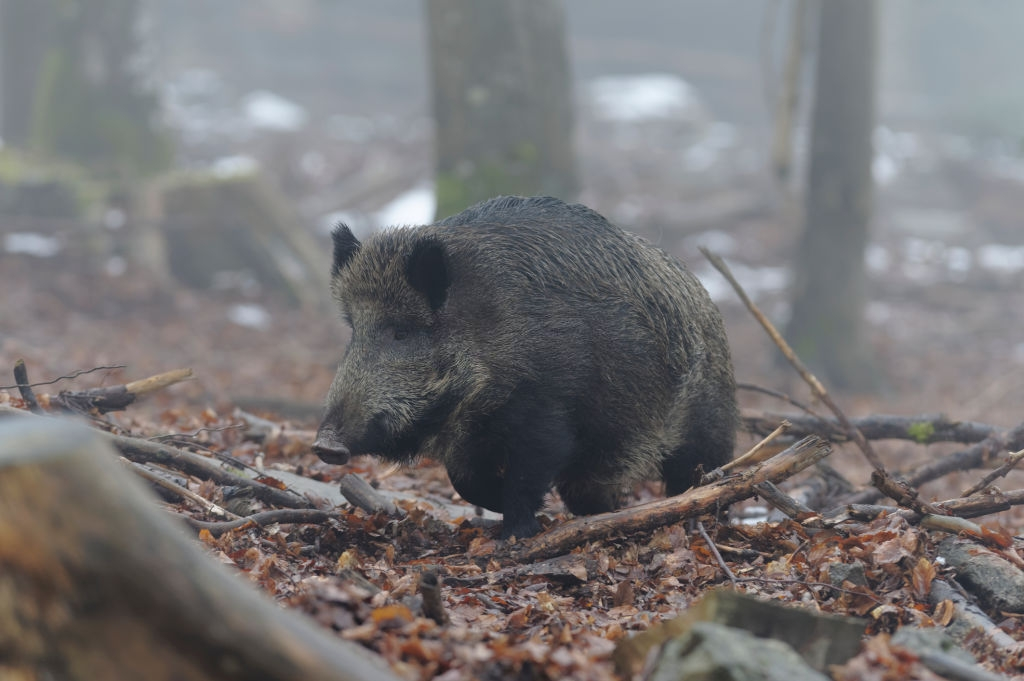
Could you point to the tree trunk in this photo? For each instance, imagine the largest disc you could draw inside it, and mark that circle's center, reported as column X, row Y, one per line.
column 502, row 100
column 91, row 102
column 826, row 327
column 25, row 27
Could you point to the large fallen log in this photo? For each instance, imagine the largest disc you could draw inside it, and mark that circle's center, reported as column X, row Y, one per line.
column 96, row 582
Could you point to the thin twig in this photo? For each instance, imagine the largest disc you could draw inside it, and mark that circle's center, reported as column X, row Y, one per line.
column 204, row 504
column 284, row 516
column 1011, row 462
column 167, row 437
column 754, row 388
column 714, row 551
column 903, row 494
column 804, row 582
column 72, row 375
column 749, row 456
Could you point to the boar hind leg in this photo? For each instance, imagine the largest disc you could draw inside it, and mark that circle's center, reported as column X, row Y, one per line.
column 708, row 445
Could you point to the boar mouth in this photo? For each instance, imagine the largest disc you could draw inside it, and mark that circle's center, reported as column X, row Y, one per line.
column 406, row 445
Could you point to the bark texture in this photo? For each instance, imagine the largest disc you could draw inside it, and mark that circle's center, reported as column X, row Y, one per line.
column 826, row 327
column 502, row 100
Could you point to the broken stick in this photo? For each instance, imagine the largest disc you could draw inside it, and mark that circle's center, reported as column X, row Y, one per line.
column 645, row 517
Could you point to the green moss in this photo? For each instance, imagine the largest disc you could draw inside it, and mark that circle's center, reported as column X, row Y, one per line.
column 65, row 189
column 519, row 176
column 922, row 432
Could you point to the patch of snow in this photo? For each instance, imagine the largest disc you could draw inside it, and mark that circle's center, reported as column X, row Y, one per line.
column 269, row 111
column 756, row 281
column 415, row 207
column 361, row 225
column 924, row 251
column 877, row 258
column 884, row 169
column 636, row 98
column 1000, row 258
column 958, row 260
column 234, row 166
column 31, row 243
column 249, row 315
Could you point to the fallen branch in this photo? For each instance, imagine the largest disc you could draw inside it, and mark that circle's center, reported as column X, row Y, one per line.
column 116, row 397
column 645, row 517
column 360, row 494
column 968, row 619
column 976, row 456
column 286, row 516
column 203, row 504
column 787, row 504
column 963, row 507
column 923, row 429
column 145, row 451
column 902, row 493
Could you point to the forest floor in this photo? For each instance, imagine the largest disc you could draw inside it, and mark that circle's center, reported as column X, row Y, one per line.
column 948, row 338
column 955, row 348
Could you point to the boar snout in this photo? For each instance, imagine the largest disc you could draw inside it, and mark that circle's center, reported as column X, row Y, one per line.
column 329, row 447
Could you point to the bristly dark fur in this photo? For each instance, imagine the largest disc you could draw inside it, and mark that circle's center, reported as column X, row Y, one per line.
column 529, row 344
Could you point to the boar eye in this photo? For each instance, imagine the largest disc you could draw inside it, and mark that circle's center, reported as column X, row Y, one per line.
column 401, row 333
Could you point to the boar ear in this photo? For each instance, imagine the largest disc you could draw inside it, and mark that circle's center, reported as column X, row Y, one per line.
column 345, row 246
column 427, row 271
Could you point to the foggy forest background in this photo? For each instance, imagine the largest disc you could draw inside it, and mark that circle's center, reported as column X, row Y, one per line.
column 209, row 147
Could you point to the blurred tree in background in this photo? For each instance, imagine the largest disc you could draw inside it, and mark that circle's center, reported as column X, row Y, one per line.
column 826, row 326
column 72, row 85
column 502, row 97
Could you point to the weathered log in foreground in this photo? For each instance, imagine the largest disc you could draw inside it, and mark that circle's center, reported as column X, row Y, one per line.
column 96, row 582
column 566, row 536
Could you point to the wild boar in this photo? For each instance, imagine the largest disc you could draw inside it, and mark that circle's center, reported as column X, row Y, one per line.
column 528, row 344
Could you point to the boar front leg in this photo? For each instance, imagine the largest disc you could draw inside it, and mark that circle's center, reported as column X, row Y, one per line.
column 534, row 441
